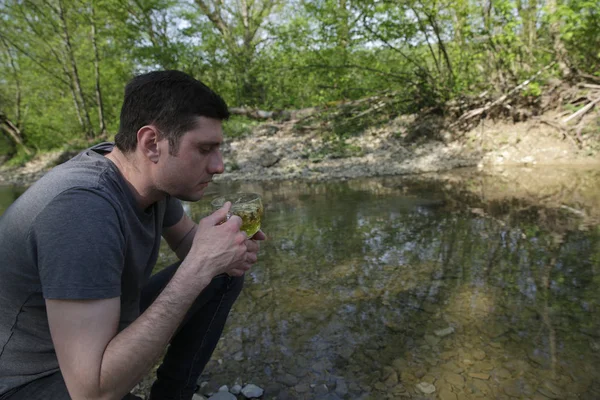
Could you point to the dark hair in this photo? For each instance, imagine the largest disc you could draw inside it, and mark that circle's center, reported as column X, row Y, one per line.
column 171, row 100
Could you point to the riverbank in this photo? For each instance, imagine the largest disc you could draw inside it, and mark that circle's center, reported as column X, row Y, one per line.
column 283, row 151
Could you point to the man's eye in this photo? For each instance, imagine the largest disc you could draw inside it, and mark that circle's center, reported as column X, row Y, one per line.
column 205, row 150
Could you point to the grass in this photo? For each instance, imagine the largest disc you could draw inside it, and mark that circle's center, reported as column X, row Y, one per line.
column 238, row 127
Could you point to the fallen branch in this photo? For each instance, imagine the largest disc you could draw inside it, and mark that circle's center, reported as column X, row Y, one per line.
column 589, row 86
column 590, row 77
column 253, row 113
column 305, row 113
column 370, row 110
column 13, row 132
column 582, row 111
column 478, row 111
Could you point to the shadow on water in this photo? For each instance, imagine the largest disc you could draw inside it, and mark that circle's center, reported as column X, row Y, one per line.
column 477, row 286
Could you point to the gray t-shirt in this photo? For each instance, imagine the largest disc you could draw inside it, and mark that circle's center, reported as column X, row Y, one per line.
column 77, row 233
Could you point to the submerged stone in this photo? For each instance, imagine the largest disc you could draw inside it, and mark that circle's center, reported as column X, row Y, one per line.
column 426, row 388
column 444, row 332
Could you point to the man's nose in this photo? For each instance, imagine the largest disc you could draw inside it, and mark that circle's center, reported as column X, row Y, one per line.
column 216, row 165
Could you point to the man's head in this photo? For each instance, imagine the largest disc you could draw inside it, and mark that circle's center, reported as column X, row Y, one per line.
column 171, row 101
column 171, row 124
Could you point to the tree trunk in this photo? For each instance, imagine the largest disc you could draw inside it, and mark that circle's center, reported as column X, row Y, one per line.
column 15, row 72
column 76, row 81
column 13, row 133
column 240, row 36
column 559, row 47
column 343, row 34
column 97, row 75
column 442, row 46
column 424, row 30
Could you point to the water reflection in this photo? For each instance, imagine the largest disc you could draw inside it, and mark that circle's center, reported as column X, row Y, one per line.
column 374, row 292
column 389, row 288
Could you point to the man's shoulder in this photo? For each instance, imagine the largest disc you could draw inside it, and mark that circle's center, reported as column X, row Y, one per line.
column 87, row 170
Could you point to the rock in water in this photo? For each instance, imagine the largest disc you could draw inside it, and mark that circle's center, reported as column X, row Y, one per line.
column 341, row 388
column 251, row 391
column 426, row 388
column 444, row 332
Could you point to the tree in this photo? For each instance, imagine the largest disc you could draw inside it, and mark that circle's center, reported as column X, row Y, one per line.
column 240, row 25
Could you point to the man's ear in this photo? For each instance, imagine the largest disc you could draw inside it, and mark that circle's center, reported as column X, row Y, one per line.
column 147, row 137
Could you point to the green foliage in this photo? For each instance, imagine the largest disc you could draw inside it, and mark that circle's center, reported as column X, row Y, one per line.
column 532, row 90
column 237, row 127
column 19, row 159
column 288, row 54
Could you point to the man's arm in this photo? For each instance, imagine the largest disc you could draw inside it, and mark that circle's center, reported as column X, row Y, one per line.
column 98, row 363
column 95, row 362
column 180, row 236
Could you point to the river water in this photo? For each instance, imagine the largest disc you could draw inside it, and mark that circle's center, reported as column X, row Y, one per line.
column 472, row 286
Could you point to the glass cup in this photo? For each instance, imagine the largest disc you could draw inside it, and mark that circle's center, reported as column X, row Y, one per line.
column 247, row 206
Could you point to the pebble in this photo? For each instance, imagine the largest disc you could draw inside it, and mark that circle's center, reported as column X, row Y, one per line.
column 432, row 340
column 236, row 389
column 502, row 373
column 224, row 388
column 302, row 388
column 479, row 355
column 484, row 366
column 288, row 380
column 481, row 386
column 426, row 388
column 198, row 397
column 444, row 332
column 453, row 367
column 454, row 379
column 446, row 394
column 252, row 391
column 222, row 396
column 321, row 389
column 392, row 379
column 341, row 388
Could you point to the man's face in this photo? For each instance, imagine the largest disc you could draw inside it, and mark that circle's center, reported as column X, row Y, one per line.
column 187, row 174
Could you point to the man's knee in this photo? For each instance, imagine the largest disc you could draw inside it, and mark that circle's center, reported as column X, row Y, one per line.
column 234, row 286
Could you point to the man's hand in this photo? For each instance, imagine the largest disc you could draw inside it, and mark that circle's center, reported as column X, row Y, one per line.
column 218, row 247
column 252, row 248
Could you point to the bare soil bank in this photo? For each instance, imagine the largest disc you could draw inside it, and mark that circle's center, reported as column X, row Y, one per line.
column 279, row 151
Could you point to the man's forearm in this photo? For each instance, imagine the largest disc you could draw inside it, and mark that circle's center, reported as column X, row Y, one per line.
column 133, row 352
column 185, row 245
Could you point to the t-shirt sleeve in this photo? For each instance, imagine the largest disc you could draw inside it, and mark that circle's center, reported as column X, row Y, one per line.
column 173, row 212
column 79, row 245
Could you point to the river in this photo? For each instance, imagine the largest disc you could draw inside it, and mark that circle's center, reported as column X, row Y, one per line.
column 475, row 286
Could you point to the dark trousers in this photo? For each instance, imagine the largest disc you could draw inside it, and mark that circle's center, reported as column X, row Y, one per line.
column 189, row 350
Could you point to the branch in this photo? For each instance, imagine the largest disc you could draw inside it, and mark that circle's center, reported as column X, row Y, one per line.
column 403, row 77
column 472, row 113
column 391, row 47
column 582, row 111
column 36, row 62
column 215, row 17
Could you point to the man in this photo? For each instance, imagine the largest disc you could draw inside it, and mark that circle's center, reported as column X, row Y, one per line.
column 80, row 316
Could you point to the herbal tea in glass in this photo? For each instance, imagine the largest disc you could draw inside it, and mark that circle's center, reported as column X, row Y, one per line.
column 247, row 206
